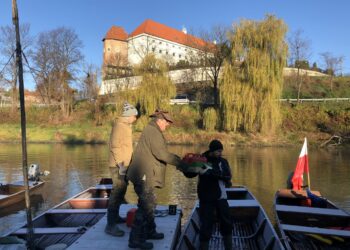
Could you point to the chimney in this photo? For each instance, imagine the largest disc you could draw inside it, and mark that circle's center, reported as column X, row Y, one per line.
column 184, row 30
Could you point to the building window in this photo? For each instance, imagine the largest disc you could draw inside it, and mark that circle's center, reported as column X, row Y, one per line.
column 160, row 42
column 109, row 49
column 173, row 54
column 153, row 49
column 179, row 56
column 167, row 52
column 160, row 51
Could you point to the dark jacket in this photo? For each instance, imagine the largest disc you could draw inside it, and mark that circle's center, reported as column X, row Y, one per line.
column 150, row 157
column 208, row 188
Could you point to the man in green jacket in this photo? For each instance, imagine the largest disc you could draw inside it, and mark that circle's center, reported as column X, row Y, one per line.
column 146, row 171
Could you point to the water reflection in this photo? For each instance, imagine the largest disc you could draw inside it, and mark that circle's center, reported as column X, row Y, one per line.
column 262, row 170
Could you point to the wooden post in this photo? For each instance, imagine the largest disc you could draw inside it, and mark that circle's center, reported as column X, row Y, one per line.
column 308, row 180
column 19, row 64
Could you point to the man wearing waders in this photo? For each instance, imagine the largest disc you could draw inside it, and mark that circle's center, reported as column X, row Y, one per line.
column 120, row 151
column 146, row 172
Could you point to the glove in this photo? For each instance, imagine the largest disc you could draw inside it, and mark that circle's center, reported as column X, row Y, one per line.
column 122, row 169
column 204, row 169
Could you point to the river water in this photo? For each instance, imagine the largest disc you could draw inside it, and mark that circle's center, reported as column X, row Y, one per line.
column 262, row 170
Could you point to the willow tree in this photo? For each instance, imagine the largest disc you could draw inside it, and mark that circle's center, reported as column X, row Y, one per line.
column 156, row 88
column 252, row 81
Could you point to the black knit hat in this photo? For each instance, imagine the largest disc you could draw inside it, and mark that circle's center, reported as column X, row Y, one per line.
column 215, row 145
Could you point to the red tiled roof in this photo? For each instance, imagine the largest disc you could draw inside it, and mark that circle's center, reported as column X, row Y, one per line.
column 153, row 28
column 116, row 33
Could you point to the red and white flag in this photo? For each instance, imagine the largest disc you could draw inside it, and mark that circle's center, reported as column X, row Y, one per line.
column 301, row 168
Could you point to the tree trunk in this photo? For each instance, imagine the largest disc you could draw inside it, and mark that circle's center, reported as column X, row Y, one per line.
column 299, row 85
column 216, row 98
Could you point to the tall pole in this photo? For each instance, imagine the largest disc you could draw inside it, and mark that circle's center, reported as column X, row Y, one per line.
column 19, row 64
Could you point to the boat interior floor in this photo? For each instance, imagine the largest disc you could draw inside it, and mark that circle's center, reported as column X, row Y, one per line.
column 317, row 242
column 245, row 235
column 60, row 228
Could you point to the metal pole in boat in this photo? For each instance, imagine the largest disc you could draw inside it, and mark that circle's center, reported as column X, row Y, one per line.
column 19, row 64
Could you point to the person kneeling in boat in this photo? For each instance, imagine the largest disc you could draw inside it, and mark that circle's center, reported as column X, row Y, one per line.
column 212, row 196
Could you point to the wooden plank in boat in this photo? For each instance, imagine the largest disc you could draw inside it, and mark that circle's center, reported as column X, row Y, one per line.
column 311, row 210
column 237, row 189
column 89, row 199
column 104, row 186
column 243, row 203
column 52, row 230
column 316, row 230
column 295, row 194
column 77, row 211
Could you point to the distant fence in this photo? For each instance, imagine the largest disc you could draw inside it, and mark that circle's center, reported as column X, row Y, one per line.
column 317, row 100
column 40, row 105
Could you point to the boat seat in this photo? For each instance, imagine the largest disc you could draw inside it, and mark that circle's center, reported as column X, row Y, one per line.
column 312, row 210
column 77, row 211
column 316, row 230
column 103, row 186
column 253, row 235
column 53, row 230
column 243, row 203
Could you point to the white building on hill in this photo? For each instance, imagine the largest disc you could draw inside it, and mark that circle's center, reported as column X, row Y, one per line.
column 121, row 49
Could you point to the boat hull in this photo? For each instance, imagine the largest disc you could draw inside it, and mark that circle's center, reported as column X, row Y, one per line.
column 304, row 225
column 11, row 194
column 251, row 227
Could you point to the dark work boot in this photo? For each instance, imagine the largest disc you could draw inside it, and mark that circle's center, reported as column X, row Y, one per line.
column 150, row 231
column 114, row 230
column 140, row 245
column 204, row 245
column 120, row 219
column 154, row 235
column 137, row 240
column 227, row 242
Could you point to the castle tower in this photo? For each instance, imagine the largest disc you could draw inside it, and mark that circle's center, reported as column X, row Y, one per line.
column 115, row 50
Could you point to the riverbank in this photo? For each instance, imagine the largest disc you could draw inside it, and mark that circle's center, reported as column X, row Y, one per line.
column 316, row 121
column 90, row 134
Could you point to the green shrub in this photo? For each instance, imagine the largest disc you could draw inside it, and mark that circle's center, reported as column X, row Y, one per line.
column 210, row 119
column 141, row 123
column 186, row 117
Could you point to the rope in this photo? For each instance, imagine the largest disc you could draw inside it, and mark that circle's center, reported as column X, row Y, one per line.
column 30, row 68
column 7, row 63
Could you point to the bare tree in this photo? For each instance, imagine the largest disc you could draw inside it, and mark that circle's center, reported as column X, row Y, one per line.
column 89, row 83
column 7, row 47
column 299, row 49
column 57, row 58
column 213, row 49
column 333, row 65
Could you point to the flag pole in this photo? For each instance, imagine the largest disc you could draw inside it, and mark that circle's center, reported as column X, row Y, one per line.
column 308, row 172
column 19, row 64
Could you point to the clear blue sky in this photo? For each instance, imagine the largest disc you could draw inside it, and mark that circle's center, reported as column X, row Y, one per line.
column 325, row 23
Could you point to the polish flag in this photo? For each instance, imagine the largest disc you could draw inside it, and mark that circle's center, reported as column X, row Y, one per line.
column 301, row 168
